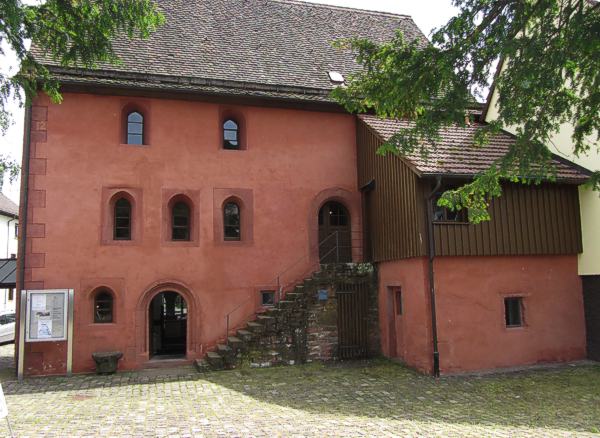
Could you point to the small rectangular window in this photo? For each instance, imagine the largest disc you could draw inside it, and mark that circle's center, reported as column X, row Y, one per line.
column 267, row 297
column 398, row 301
column 513, row 311
column 16, row 231
column 443, row 214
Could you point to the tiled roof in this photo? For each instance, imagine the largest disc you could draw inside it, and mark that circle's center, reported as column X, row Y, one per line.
column 456, row 154
column 7, row 206
column 234, row 43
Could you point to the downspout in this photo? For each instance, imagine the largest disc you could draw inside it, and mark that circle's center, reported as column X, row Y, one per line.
column 431, row 242
column 20, row 329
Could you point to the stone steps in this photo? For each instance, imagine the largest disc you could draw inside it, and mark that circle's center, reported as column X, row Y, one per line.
column 245, row 335
column 251, row 344
column 268, row 340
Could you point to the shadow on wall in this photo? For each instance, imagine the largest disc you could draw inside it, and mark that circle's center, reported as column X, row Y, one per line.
column 564, row 399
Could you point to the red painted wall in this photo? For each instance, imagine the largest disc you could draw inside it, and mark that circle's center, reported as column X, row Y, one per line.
column 409, row 333
column 293, row 162
column 470, row 294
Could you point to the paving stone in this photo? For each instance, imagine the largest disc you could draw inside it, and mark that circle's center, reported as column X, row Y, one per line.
column 375, row 398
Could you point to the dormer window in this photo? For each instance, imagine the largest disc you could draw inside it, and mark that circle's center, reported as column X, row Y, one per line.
column 231, row 135
column 135, row 128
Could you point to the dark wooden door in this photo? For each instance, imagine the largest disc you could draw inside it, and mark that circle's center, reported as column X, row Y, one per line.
column 335, row 242
column 168, row 324
column 353, row 322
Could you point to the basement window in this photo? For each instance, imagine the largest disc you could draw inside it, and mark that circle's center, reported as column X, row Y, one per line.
column 267, row 297
column 513, row 311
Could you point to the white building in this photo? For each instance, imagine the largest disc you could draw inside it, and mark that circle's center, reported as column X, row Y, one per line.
column 9, row 233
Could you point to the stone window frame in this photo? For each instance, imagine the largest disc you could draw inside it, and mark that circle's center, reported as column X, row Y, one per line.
column 245, row 200
column 169, row 198
column 238, row 116
column 263, row 292
column 524, row 310
column 91, row 287
column 143, row 107
column 110, row 195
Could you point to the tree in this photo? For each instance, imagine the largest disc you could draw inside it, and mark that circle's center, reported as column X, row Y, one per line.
column 76, row 33
column 549, row 53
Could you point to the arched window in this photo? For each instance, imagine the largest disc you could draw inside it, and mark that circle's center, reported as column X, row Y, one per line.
column 135, row 128
column 231, row 135
column 231, row 221
column 122, row 220
column 180, row 221
column 103, row 307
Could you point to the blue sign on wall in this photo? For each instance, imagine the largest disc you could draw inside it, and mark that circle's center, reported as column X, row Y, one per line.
column 323, row 294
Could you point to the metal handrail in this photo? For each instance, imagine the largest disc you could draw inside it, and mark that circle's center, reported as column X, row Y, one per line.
column 277, row 279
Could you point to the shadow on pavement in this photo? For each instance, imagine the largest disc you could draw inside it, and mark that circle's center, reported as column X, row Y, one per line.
column 7, row 362
column 566, row 398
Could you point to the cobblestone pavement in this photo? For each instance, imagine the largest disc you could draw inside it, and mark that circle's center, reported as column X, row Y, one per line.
column 7, row 361
column 373, row 398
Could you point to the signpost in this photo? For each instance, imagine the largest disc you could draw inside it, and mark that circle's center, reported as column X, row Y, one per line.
column 46, row 316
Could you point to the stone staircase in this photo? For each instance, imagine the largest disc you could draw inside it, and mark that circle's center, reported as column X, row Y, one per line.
column 275, row 337
column 278, row 335
column 284, row 334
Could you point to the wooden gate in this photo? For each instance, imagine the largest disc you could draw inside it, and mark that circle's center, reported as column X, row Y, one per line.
column 353, row 319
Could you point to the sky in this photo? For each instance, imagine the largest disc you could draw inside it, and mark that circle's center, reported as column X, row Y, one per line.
column 428, row 14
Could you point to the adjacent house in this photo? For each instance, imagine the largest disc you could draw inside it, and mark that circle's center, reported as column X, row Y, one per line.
column 484, row 294
column 9, row 232
column 588, row 265
column 174, row 191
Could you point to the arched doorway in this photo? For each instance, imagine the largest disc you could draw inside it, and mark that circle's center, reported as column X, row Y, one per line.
column 335, row 242
column 167, row 315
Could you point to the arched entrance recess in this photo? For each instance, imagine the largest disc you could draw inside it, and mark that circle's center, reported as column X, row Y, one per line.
column 167, row 319
column 335, row 236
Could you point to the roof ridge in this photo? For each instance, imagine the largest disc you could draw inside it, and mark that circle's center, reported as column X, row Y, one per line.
column 342, row 8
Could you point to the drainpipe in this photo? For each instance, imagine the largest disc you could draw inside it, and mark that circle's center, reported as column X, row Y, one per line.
column 20, row 330
column 431, row 242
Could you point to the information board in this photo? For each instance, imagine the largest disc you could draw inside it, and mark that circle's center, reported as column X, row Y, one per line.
column 46, row 315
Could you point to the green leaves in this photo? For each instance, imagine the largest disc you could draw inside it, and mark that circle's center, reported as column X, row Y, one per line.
column 76, row 33
column 548, row 53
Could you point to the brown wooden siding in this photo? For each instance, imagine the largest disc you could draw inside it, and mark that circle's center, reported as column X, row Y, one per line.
column 526, row 220
column 396, row 213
